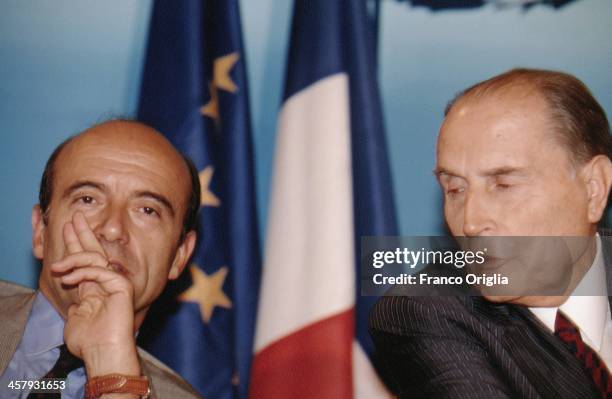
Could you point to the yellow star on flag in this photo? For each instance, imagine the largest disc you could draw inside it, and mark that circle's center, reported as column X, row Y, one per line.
column 207, row 291
column 221, row 72
column 221, row 80
column 207, row 198
column 211, row 108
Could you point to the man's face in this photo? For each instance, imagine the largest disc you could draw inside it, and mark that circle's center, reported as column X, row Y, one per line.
column 504, row 174
column 132, row 188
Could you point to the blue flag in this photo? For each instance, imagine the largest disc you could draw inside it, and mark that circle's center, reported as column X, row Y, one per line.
column 194, row 91
column 373, row 198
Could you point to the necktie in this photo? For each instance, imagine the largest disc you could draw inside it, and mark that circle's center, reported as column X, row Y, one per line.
column 64, row 365
column 570, row 335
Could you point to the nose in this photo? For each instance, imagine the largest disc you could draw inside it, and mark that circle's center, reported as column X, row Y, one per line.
column 111, row 226
column 477, row 219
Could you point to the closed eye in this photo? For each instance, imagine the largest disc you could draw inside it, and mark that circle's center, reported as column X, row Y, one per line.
column 502, row 186
column 454, row 192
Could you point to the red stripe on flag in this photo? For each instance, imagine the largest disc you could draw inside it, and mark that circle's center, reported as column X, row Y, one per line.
column 314, row 362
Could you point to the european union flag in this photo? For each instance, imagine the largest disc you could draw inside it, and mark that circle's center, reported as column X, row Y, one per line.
column 194, row 90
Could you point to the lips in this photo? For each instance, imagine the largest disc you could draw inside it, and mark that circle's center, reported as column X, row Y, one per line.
column 118, row 267
column 492, row 263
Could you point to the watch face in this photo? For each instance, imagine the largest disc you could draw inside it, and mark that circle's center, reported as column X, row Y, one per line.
column 118, row 381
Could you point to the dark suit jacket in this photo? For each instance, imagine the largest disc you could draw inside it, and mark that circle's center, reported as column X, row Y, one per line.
column 467, row 347
column 15, row 305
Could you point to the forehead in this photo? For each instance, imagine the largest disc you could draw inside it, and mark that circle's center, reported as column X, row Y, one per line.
column 127, row 158
column 496, row 130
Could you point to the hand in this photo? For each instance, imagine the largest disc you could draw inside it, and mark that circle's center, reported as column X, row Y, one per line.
column 100, row 326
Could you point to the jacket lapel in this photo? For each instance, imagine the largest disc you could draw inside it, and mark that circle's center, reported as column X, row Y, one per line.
column 535, row 363
column 544, row 359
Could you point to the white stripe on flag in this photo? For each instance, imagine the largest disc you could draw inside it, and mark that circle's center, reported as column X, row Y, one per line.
column 366, row 383
column 308, row 271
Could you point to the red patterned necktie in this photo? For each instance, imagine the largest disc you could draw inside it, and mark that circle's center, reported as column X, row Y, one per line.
column 570, row 335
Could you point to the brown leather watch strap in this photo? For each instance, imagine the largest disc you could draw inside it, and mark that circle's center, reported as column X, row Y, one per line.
column 117, row 383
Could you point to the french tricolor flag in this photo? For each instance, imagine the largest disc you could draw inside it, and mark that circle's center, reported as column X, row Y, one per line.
column 331, row 185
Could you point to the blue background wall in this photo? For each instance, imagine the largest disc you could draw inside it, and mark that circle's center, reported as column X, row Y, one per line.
column 69, row 63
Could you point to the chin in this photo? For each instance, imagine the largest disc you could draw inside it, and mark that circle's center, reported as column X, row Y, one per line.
column 529, row 301
column 501, row 298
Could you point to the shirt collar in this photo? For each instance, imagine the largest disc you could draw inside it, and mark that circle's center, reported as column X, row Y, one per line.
column 44, row 329
column 588, row 313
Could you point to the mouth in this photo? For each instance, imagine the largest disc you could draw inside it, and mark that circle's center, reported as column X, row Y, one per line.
column 492, row 263
column 118, row 267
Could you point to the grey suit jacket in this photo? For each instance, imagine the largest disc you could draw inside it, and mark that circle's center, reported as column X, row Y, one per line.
column 15, row 305
column 467, row 347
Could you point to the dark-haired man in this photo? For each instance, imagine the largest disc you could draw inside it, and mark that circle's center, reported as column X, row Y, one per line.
column 116, row 221
column 526, row 153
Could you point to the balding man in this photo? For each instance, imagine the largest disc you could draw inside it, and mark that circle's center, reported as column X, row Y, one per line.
column 526, row 153
column 116, row 221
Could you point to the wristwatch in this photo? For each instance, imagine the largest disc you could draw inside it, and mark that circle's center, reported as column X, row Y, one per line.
column 117, row 383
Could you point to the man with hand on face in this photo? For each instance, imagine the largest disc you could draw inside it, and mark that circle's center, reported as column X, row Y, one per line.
column 526, row 153
column 116, row 221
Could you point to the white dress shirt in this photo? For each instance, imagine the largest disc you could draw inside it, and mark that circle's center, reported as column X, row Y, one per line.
column 591, row 314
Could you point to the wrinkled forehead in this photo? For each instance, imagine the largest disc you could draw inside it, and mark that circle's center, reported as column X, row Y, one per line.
column 493, row 132
column 121, row 147
column 519, row 111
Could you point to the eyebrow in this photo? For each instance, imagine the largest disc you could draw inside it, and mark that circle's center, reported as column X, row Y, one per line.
column 441, row 171
column 504, row 171
column 139, row 194
column 501, row 171
column 82, row 184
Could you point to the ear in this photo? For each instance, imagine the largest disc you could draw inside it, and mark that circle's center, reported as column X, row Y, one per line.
column 183, row 253
column 598, row 178
column 38, row 232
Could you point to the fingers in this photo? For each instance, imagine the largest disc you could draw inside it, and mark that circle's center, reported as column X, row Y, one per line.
column 84, row 308
column 85, row 234
column 89, row 289
column 73, row 245
column 79, row 259
column 109, row 281
column 72, row 309
column 86, row 263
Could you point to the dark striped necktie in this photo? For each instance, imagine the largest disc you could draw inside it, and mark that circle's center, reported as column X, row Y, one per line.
column 570, row 335
column 66, row 363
